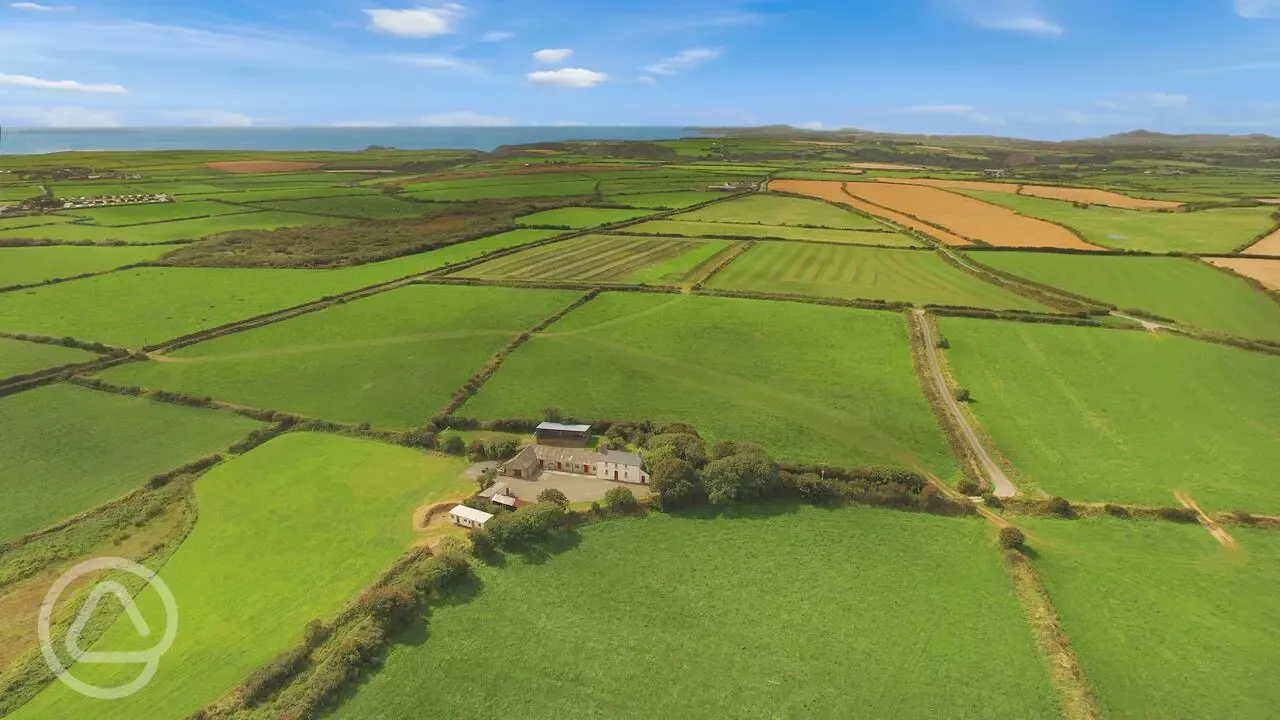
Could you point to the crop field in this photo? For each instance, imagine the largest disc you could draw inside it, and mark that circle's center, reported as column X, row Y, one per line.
column 1088, row 196
column 165, row 232
column 1205, row 231
column 253, row 194
column 579, row 217
column 967, row 217
column 372, row 207
column 683, row 267
column 667, row 646
column 915, row 276
column 677, row 358
column 661, row 200
column 1176, row 288
column 1269, row 245
column 723, row 229
column 392, row 359
column 154, row 212
column 18, row 192
column 276, row 545
column 19, row 358
column 1124, row 416
column 1266, row 272
column 10, row 223
column 568, row 184
column 782, row 210
column 28, row 265
column 1166, row 622
column 593, row 258
column 66, row 449
column 834, row 192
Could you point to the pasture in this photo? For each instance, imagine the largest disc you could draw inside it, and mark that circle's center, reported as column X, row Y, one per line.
column 781, row 210
column 661, row 200
column 694, row 229
column 579, row 217
column 592, row 258
column 549, row 185
column 66, row 449
column 277, row 544
column 1176, row 288
column 369, row 207
column 649, row 617
column 166, row 232
column 1166, row 622
column 392, row 359
column 18, row 357
column 835, row 192
column 30, row 265
column 919, row 277
column 831, row 384
column 123, row 215
column 288, row 191
column 1204, row 231
column 681, row 268
column 1123, row 416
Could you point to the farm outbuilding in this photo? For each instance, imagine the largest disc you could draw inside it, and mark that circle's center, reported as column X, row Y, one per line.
column 555, row 434
column 523, row 466
column 605, row 465
column 469, row 517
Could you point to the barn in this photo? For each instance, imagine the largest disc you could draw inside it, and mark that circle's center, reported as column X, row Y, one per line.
column 557, row 435
column 469, row 517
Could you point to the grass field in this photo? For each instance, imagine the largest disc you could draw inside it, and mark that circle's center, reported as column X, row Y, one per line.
column 835, row 192
column 392, row 359
column 19, row 358
column 168, row 231
column 28, row 265
column 1175, row 288
column 579, row 217
column 593, row 258
column 1207, row 231
column 286, row 191
column 729, row 617
column 1166, row 622
column 1124, row 416
column 661, row 200
column 680, row 268
column 372, row 207
column 549, row 185
column 276, row 545
column 154, row 212
column 67, row 449
column 782, row 210
column 914, row 276
column 830, row 385
column 723, row 229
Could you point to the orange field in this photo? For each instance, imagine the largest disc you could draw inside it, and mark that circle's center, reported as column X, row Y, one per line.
column 969, row 218
column 1266, row 272
column 833, row 191
column 261, row 166
column 1269, row 245
column 955, row 184
column 1050, row 192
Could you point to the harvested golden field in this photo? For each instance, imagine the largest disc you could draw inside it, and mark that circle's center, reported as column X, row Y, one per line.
column 969, row 218
column 1269, row 245
column 261, row 166
column 954, row 184
column 834, row 192
column 1050, row 192
column 1266, row 272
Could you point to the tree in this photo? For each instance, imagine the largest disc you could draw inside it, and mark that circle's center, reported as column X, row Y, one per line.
column 502, row 449
column 1059, row 506
column 683, row 446
column 620, row 499
column 1011, row 538
column 554, row 496
column 961, row 395
column 967, row 487
column 552, row 414
column 454, row 445
column 477, row 452
column 743, row 477
column 674, row 483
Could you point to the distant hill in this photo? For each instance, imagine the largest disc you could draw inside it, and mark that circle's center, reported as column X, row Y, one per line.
column 1147, row 137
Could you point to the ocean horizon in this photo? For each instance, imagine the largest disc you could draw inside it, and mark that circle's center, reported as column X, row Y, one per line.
column 38, row 141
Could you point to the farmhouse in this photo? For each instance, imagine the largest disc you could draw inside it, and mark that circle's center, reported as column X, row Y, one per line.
column 605, row 465
column 996, row 173
column 469, row 517
column 549, row 433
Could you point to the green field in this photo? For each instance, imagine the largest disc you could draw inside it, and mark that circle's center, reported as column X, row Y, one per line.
column 777, row 612
column 392, row 359
column 1177, row 288
column 579, row 217
column 593, row 258
column 19, row 358
column 745, row 230
column 782, row 210
column 277, row 544
column 549, row 185
column 154, row 212
column 260, row 193
column 67, row 449
column 913, row 276
column 830, row 384
column 1124, row 416
column 168, row 231
column 680, row 268
column 29, row 265
column 23, row 221
column 1206, row 231
column 1166, row 622
column 371, row 207
column 662, row 200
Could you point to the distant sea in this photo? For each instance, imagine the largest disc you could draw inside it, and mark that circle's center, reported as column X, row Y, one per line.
column 28, row 141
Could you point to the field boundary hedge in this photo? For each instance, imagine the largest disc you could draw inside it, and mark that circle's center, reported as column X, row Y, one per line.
column 807, row 299
column 724, row 260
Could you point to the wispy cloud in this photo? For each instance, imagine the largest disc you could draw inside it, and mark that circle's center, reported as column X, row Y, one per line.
column 646, row 80
column 27, row 81
column 416, row 22
column 684, row 60
column 37, row 7
column 1258, row 9
column 553, row 56
column 1022, row 16
column 60, row 117
column 496, row 36
column 440, row 62
column 567, row 77
column 466, row 118
column 964, row 112
column 1227, row 69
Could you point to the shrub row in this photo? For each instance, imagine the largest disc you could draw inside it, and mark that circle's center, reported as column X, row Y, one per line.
column 838, row 302
column 1014, row 315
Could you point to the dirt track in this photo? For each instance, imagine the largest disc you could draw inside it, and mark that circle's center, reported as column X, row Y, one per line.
column 1222, row 536
column 834, row 192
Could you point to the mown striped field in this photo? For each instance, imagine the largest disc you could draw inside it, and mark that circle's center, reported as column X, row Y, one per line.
column 594, row 258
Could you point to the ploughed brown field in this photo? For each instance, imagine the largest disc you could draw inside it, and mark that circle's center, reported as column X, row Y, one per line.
column 261, row 166
column 1050, row 192
column 1269, row 245
column 1266, row 272
column 834, row 192
column 969, row 218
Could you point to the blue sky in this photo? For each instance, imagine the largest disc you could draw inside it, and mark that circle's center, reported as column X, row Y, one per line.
column 1033, row 68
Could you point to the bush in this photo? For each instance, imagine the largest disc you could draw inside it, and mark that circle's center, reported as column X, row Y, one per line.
column 968, row 487
column 1011, row 538
column 961, row 395
column 991, row 500
column 454, row 445
column 551, row 414
column 682, row 446
column 392, row 604
column 813, row 487
column 674, row 483
column 744, row 477
column 1059, row 506
column 620, row 499
column 502, row 449
column 553, row 496
column 1244, row 518
column 477, row 452
column 1119, row 511
column 1178, row 514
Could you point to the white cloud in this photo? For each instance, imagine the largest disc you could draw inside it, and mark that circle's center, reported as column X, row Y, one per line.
column 210, row 118
column 567, row 77
column 27, row 81
column 684, row 60
column 965, row 112
column 1258, row 9
column 553, row 56
column 441, row 62
column 812, row 125
column 497, row 36
column 1243, row 67
column 466, row 118
column 60, row 117
column 416, row 22
column 37, row 7
column 1011, row 15
column 1144, row 100
column 646, row 80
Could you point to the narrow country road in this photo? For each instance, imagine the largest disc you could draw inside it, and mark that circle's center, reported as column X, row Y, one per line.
column 1003, row 487
column 1146, row 324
